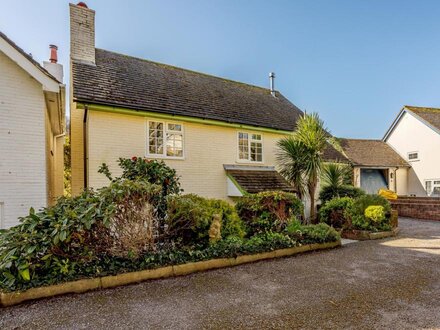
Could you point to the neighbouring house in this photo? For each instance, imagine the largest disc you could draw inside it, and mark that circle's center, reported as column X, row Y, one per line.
column 415, row 135
column 220, row 135
column 32, row 124
column 376, row 166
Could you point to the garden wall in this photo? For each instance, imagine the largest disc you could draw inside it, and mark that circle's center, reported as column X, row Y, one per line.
column 427, row 208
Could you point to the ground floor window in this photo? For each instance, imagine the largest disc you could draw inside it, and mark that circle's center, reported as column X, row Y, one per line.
column 432, row 187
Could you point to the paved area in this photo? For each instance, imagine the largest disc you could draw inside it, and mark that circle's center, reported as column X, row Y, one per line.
column 392, row 284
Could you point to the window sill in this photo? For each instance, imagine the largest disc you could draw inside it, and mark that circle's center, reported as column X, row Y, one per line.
column 242, row 161
column 164, row 157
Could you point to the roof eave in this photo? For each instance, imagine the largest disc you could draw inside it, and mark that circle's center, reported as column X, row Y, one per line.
column 108, row 107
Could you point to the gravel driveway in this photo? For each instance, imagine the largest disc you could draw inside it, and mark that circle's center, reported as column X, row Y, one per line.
column 392, row 283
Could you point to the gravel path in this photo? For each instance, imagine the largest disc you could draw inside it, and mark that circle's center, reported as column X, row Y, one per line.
column 392, row 284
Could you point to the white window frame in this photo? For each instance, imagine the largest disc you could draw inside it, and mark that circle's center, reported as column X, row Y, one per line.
column 248, row 160
column 165, row 131
column 433, row 185
column 415, row 159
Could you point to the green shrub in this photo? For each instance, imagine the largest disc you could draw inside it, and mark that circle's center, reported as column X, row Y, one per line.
column 152, row 171
column 375, row 213
column 189, row 218
column 356, row 212
column 333, row 212
column 268, row 211
column 50, row 245
column 328, row 192
column 319, row 233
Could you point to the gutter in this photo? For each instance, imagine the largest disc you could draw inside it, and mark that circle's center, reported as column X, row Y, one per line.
column 189, row 119
column 85, row 158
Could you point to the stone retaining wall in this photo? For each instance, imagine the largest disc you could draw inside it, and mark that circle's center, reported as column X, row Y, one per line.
column 427, row 208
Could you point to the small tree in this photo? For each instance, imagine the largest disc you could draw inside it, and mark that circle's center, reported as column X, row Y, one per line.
column 300, row 156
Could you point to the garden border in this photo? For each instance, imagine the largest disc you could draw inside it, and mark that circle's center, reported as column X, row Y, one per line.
column 364, row 235
column 84, row 285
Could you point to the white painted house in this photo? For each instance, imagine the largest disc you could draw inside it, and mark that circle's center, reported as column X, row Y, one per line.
column 415, row 136
column 32, row 124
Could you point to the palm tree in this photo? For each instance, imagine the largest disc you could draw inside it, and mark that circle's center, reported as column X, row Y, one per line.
column 337, row 175
column 300, row 156
column 289, row 158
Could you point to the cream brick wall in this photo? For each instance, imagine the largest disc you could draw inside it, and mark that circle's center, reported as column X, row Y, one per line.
column 22, row 143
column 207, row 148
column 82, row 33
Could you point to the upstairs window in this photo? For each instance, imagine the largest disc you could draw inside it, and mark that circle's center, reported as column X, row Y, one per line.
column 413, row 156
column 165, row 139
column 432, row 187
column 250, row 147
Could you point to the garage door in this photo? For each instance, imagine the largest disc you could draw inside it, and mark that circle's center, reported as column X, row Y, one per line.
column 372, row 180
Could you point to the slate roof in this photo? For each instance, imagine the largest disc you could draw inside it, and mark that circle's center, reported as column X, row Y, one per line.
column 129, row 82
column 254, row 181
column 430, row 115
column 27, row 56
column 372, row 153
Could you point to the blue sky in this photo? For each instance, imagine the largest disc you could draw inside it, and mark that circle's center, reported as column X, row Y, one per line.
column 355, row 62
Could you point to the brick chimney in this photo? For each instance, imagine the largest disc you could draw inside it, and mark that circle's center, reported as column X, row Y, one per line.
column 82, row 33
column 52, row 66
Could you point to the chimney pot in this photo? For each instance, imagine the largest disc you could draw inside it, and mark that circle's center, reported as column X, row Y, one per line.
column 53, row 54
column 82, row 4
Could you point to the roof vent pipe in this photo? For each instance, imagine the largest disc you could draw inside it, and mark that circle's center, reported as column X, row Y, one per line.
column 272, row 83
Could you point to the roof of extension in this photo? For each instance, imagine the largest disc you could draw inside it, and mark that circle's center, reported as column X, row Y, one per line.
column 26, row 55
column 257, row 180
column 129, row 82
column 430, row 115
column 371, row 153
column 330, row 154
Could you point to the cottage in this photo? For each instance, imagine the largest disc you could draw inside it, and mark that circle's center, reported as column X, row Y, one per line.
column 220, row 135
column 415, row 135
column 32, row 124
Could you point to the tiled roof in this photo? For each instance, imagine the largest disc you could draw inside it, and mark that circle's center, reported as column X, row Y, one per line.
column 129, row 82
column 430, row 115
column 255, row 181
column 371, row 153
column 28, row 57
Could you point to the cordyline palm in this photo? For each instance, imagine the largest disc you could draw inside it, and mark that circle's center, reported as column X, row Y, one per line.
column 300, row 156
column 336, row 175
